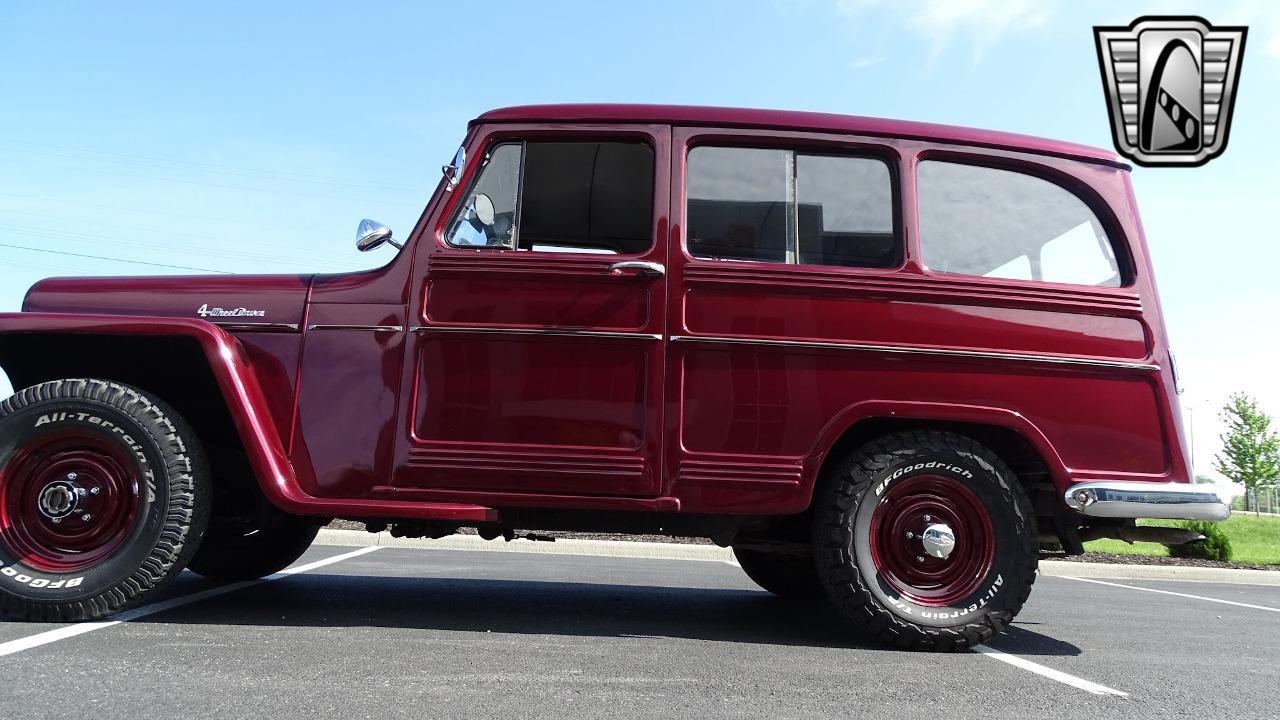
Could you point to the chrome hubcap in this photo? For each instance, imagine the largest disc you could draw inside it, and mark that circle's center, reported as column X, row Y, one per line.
column 59, row 499
column 938, row 540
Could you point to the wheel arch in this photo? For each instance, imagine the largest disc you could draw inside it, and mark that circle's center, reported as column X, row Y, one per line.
column 1008, row 434
column 195, row 366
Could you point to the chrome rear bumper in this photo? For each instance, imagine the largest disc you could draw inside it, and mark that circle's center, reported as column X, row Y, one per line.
column 1174, row 501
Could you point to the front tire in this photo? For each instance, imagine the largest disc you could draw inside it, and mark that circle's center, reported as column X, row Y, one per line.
column 881, row 532
column 103, row 499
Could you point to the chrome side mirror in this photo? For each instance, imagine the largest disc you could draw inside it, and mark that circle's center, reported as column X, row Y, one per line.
column 482, row 206
column 371, row 233
column 453, row 171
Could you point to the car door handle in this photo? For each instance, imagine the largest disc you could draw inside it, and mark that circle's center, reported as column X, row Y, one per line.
column 641, row 267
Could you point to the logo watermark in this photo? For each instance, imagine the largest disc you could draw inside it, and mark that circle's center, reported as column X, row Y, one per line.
column 1170, row 84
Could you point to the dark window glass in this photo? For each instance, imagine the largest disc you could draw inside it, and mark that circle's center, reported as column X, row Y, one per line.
column 586, row 197
column 787, row 207
column 998, row 223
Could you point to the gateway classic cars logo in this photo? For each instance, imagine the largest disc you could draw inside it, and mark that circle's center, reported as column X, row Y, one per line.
column 1171, row 86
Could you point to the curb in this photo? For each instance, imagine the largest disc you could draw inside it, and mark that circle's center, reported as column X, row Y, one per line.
column 714, row 553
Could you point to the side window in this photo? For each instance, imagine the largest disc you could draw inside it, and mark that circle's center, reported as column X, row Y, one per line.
column 790, row 207
column 584, row 197
column 999, row 223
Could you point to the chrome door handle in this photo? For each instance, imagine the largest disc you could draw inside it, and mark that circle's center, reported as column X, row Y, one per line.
column 644, row 267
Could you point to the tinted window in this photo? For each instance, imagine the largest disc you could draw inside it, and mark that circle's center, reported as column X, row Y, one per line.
column 999, row 223
column 594, row 197
column 783, row 206
column 845, row 213
column 739, row 201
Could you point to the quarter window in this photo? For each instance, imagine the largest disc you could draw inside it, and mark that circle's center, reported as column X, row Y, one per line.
column 583, row 197
column 789, row 207
column 999, row 223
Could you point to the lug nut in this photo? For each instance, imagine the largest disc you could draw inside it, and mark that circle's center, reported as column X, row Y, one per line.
column 928, row 518
column 910, row 534
column 95, row 490
column 72, row 476
column 56, row 520
column 86, row 517
column 919, row 558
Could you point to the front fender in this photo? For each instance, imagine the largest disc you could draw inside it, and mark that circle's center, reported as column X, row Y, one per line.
column 230, row 367
column 244, row 398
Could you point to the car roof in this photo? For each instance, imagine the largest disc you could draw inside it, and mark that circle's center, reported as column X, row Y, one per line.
column 793, row 120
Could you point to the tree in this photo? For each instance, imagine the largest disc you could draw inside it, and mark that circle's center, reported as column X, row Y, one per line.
column 1250, row 449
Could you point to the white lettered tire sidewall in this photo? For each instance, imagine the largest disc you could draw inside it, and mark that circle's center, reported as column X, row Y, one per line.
column 1007, row 526
column 169, row 518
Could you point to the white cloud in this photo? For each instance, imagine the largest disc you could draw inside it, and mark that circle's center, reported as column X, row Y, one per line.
column 982, row 23
column 866, row 62
column 985, row 22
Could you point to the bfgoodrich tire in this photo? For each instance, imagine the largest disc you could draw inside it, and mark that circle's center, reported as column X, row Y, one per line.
column 103, row 499
column 925, row 593
column 790, row 577
column 239, row 551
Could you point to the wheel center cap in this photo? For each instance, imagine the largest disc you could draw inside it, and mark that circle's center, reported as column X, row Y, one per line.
column 59, row 499
column 938, row 540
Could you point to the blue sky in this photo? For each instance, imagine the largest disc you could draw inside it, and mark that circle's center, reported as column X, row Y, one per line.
column 252, row 137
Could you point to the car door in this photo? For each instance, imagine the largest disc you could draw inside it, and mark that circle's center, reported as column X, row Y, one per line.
column 536, row 358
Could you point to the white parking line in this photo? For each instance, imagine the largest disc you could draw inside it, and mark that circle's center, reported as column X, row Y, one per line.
column 1049, row 672
column 1175, row 594
column 62, row 633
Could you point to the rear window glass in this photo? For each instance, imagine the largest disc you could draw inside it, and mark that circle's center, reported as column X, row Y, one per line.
column 789, row 207
column 989, row 222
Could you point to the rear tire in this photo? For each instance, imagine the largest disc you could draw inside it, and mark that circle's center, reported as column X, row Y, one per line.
column 869, row 520
column 790, row 577
column 236, row 551
column 103, row 499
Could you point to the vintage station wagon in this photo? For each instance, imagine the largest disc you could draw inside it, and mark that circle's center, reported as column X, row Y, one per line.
column 881, row 360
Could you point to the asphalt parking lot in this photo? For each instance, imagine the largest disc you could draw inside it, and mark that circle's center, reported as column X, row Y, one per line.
column 393, row 633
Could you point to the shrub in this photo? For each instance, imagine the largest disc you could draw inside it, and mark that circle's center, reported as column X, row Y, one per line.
column 1214, row 546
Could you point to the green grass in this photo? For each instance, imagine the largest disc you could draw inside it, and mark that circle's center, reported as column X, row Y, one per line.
column 1253, row 540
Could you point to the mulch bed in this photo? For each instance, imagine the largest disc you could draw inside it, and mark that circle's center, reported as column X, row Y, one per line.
column 1097, row 557
column 1093, row 557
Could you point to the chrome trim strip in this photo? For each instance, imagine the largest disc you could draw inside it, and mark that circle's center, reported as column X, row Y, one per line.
column 898, row 349
column 1132, row 499
column 373, row 328
column 537, row 331
column 260, row 327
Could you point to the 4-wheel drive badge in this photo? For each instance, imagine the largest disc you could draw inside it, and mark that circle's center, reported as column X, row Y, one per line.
column 1170, row 84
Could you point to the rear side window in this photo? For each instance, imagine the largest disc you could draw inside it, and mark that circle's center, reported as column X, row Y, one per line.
column 999, row 223
column 583, row 197
column 789, row 207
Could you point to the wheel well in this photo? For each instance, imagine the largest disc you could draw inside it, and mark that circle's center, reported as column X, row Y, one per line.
column 173, row 369
column 1006, row 442
column 1023, row 459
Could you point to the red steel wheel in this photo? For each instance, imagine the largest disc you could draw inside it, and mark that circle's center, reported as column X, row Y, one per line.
column 931, row 539
column 68, row 500
column 104, row 496
column 925, row 539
